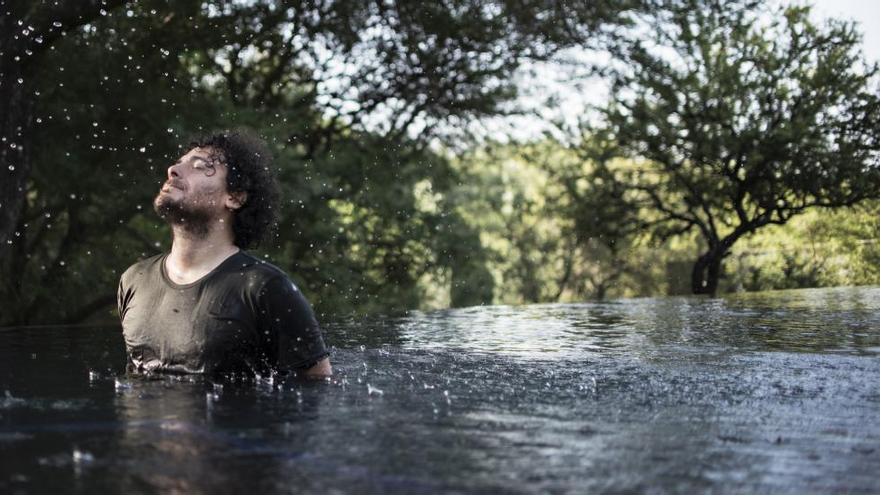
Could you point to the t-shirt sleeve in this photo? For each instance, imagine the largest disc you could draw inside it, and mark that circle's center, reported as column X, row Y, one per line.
column 288, row 330
column 120, row 300
column 123, row 296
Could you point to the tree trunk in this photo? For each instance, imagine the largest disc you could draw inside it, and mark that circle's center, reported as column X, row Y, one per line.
column 600, row 292
column 706, row 272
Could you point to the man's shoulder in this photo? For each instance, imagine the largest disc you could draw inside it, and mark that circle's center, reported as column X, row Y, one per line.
column 141, row 268
column 257, row 269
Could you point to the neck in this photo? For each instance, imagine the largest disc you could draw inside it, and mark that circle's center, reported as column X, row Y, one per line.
column 194, row 255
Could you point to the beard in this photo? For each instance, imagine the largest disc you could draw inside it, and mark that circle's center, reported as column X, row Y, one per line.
column 191, row 219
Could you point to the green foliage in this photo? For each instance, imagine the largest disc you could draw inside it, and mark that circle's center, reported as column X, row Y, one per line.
column 726, row 126
column 348, row 95
column 737, row 117
column 507, row 200
column 527, row 202
column 820, row 248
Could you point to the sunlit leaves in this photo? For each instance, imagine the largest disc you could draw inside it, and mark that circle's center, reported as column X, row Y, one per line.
column 746, row 116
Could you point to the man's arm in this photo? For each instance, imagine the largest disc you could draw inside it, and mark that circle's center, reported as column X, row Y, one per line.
column 291, row 330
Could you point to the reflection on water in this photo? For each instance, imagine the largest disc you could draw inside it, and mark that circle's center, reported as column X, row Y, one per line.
column 773, row 392
column 814, row 320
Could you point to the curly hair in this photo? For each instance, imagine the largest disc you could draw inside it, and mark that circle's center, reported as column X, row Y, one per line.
column 248, row 162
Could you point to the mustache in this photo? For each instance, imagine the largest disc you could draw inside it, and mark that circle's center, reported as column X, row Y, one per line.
column 173, row 183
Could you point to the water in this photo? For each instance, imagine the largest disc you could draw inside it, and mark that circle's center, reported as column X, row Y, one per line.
column 775, row 392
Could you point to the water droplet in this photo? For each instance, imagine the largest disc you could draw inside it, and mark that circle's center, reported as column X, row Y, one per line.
column 39, row 39
column 57, row 24
column 12, row 168
column 82, row 457
column 103, row 12
column 143, row 149
column 20, row 81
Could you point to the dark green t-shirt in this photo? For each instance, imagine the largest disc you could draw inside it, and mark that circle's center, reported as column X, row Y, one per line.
column 245, row 315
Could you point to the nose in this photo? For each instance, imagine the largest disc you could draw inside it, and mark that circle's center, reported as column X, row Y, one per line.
column 172, row 171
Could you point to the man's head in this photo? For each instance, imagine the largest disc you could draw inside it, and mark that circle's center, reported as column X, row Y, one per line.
column 223, row 178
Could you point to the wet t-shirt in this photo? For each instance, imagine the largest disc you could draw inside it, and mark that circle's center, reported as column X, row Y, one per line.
column 244, row 316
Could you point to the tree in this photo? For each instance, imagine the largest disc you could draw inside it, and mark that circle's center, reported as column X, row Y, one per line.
column 602, row 223
column 27, row 32
column 407, row 59
column 526, row 200
column 736, row 117
column 348, row 94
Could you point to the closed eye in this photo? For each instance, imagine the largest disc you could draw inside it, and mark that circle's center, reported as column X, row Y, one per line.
column 204, row 165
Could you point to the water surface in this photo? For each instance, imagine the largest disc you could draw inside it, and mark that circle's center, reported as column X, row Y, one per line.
column 774, row 392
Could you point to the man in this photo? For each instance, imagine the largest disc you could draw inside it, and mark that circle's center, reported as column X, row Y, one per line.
column 207, row 306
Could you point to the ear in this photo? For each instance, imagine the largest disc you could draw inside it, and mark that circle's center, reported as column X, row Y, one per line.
column 236, row 200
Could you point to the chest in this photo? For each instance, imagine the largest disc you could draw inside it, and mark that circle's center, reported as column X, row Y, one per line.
column 192, row 329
